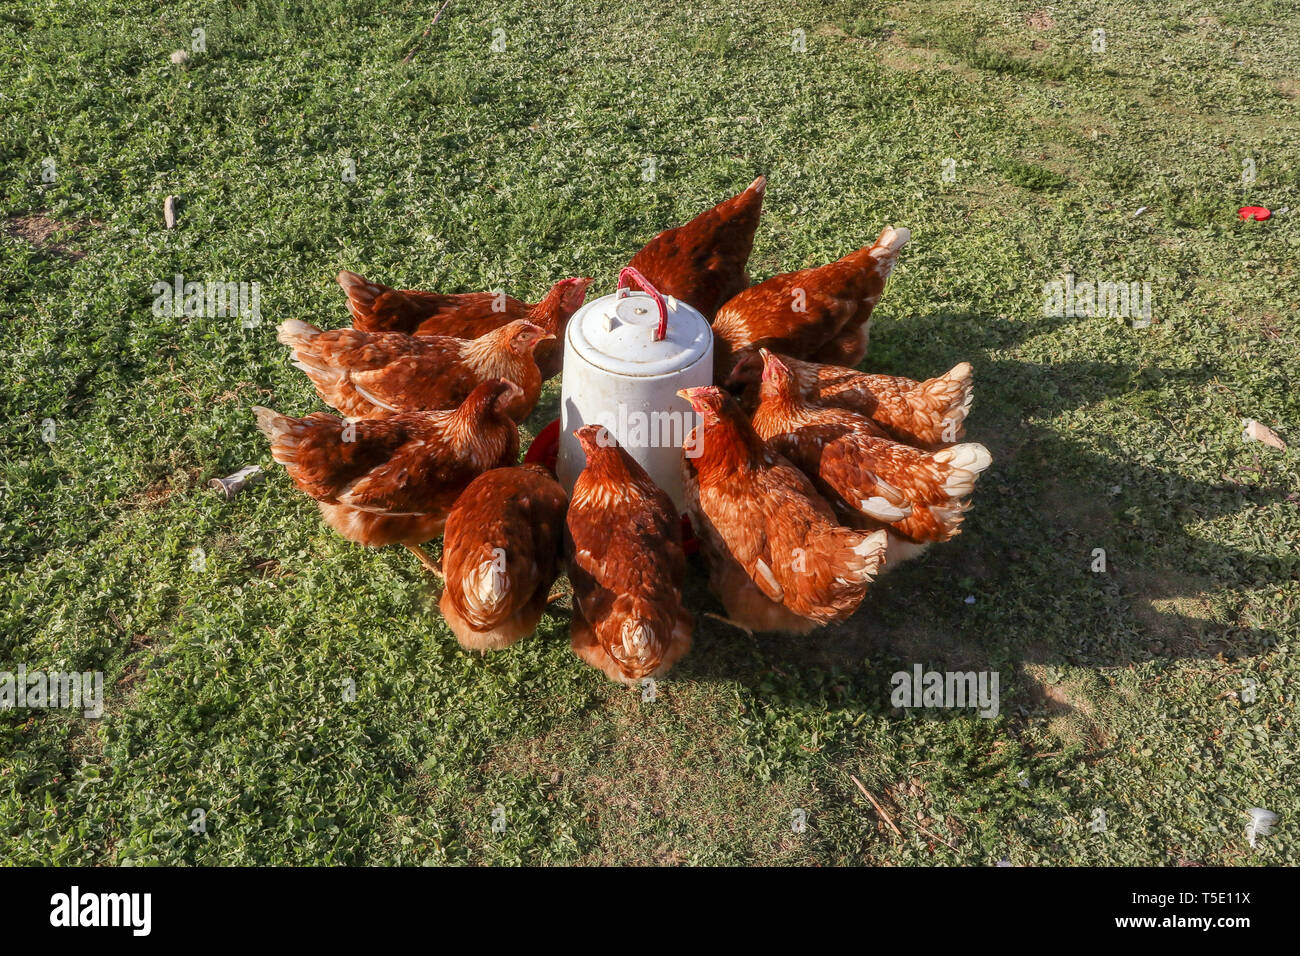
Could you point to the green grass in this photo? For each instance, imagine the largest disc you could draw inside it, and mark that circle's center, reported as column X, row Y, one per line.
column 477, row 169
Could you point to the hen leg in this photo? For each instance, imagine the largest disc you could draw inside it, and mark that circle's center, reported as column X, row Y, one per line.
column 430, row 565
column 729, row 622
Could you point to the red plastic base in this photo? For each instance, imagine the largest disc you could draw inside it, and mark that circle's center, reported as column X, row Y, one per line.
column 545, row 448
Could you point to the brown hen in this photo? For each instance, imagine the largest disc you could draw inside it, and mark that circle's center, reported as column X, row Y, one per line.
column 926, row 414
column 822, row 313
column 703, row 262
column 379, row 374
column 777, row 558
column 393, row 480
column 626, row 564
column 500, row 555
column 466, row 315
column 920, row 496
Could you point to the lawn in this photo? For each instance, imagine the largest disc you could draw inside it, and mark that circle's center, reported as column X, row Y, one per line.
column 304, row 692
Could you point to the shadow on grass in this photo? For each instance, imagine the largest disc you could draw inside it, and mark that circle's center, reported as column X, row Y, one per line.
column 1017, row 588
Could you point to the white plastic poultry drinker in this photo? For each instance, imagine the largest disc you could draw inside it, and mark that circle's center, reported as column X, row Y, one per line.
column 625, row 357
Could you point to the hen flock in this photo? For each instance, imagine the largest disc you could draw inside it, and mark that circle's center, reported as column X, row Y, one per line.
column 807, row 477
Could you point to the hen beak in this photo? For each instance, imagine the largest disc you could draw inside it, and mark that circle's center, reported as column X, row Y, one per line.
column 578, row 293
column 592, row 436
column 770, row 364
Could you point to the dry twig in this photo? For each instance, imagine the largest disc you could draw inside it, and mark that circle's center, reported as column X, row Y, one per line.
column 876, row 803
column 407, row 58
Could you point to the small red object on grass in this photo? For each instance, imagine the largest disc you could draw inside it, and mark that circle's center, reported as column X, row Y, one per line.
column 1258, row 213
column 545, row 451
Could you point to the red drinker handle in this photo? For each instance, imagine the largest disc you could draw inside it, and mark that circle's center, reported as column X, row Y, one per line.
column 629, row 273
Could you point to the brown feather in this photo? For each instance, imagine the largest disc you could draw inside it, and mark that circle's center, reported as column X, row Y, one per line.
column 920, row 496
column 500, row 555
column 378, row 374
column 392, row 481
column 797, row 313
column 929, row 414
column 624, row 547
column 467, row 315
column 703, row 262
column 777, row 557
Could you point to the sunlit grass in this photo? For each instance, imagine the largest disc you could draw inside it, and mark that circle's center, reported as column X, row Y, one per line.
column 228, row 677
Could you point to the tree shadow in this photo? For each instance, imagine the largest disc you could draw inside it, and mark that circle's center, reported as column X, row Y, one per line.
column 1021, row 588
